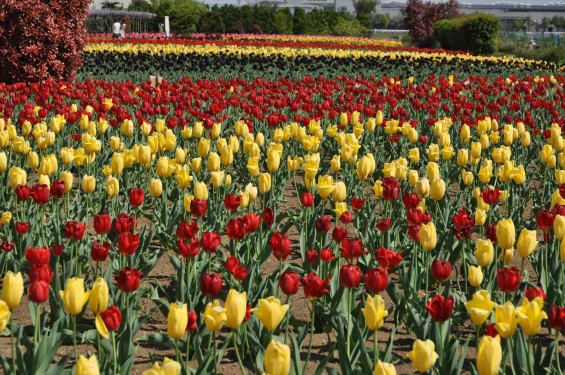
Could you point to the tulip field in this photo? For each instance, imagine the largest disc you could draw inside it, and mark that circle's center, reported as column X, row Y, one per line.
column 283, row 205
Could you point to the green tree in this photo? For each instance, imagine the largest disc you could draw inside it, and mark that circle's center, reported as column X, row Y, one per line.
column 381, row 21
column 141, row 6
column 364, row 9
column 299, row 21
column 282, row 22
column 348, row 27
column 114, row 5
column 184, row 16
column 211, row 23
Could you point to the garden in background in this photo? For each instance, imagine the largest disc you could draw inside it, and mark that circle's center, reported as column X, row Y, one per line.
column 278, row 204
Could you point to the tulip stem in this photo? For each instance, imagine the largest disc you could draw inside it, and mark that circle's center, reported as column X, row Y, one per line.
column 75, row 337
column 311, row 337
column 114, row 352
column 376, row 347
column 557, row 352
column 177, row 350
column 237, row 352
column 287, row 320
column 187, row 350
column 14, row 348
column 349, row 299
column 37, row 326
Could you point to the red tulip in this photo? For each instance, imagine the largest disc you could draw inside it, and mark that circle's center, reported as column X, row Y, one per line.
column 58, row 189
column 323, row 223
column 280, row 245
column 57, row 250
column 247, row 313
column 128, row 243
column 74, row 230
column 253, row 222
column 314, row 287
column 346, row 218
column 307, row 199
column 36, row 256
column 210, row 241
column 38, row 291
column 350, row 275
column 312, row 256
column 415, row 217
column 231, row 264
column 351, row 249
column 562, row 191
column 41, row 272
column 556, row 317
column 544, row 219
column 357, row 203
column 188, row 250
column 391, row 189
column 326, row 255
column 21, row 228
column 128, row 279
column 508, row 279
column 7, row 246
column 102, row 223
column 384, row 225
column 232, row 202
column 491, row 233
column 339, row 234
column 98, row 252
column 112, row 318
column 240, row 273
column 490, row 330
column 440, row 308
column 289, row 282
column 376, row 280
column 211, row 284
column 40, row 193
column 198, row 207
column 387, row 258
column 490, row 196
column 186, row 230
column 410, row 200
column 440, row 270
column 192, row 321
column 123, row 223
column 136, row 197
column 268, row 216
column 463, row 224
column 237, row 228
column 533, row 292
column 23, row 192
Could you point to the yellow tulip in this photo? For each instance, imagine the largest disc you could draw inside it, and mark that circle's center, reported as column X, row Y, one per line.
column 489, row 355
column 236, row 307
column 112, row 186
column 480, row 307
column 414, row 155
column 413, row 177
column 117, row 164
column 506, row 233
column 437, row 189
column 17, row 177
column 6, row 217
column 3, row 162
column 177, row 320
column 422, row 187
column 363, row 168
column 277, row 359
column 270, row 312
column 378, row 188
column 559, row 227
column 217, row 178
column 169, row 367
column 475, row 276
column 428, row 236
column 213, row 162
column 74, row 296
column 336, row 163
column 214, row 316
column 384, row 368
column 12, row 289
column 88, row 183
column 506, row 317
column 374, row 312
column 86, row 366
column 527, row 242
column 155, row 187
column 273, row 161
column 340, row 192
column 165, row 167
column 325, row 186
column 533, row 314
column 423, row 355
column 484, row 252
column 99, row 296
column 264, row 182
column 480, row 217
column 200, row 190
column 432, row 170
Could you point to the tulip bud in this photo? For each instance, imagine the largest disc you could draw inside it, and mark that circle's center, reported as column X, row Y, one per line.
column 506, row 233
column 236, row 307
column 475, row 276
column 270, row 312
column 264, row 182
column 86, row 366
column 74, row 296
column 177, row 321
column 99, row 296
column 277, row 359
column 374, row 312
column 155, row 187
column 12, row 289
column 428, row 236
column 423, row 355
column 489, row 355
column 527, row 242
column 88, row 183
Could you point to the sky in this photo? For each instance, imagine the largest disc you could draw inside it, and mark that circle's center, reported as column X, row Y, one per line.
column 531, row 2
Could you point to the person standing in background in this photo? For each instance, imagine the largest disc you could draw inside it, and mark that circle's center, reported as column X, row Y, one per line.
column 116, row 29
column 123, row 30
